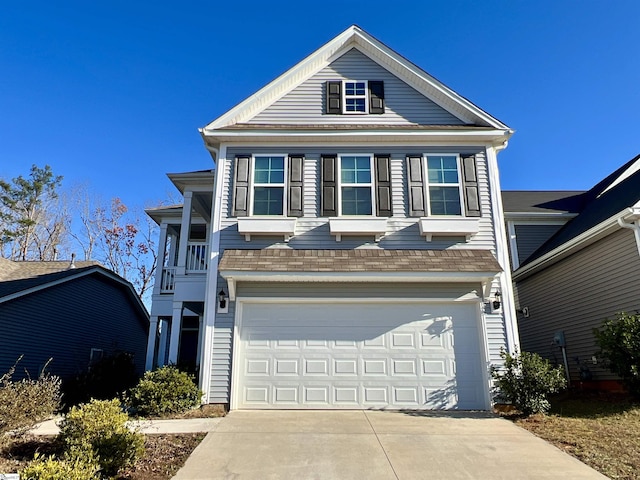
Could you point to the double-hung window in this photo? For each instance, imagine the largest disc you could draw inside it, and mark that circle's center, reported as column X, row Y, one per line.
column 444, row 188
column 356, row 185
column 268, row 185
column 355, row 97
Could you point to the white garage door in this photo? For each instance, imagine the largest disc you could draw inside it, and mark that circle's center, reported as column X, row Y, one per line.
column 359, row 355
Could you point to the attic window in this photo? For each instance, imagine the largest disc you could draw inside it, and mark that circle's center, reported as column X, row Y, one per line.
column 355, row 97
column 349, row 97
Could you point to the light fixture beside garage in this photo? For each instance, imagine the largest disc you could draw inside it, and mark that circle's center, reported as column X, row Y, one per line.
column 496, row 300
column 223, row 302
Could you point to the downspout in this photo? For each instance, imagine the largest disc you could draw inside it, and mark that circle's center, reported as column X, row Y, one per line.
column 633, row 223
column 212, row 280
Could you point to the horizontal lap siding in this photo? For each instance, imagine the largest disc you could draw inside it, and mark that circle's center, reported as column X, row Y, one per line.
column 530, row 237
column 578, row 294
column 496, row 337
column 67, row 320
column 403, row 104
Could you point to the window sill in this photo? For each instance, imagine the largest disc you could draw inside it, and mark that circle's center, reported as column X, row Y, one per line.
column 340, row 226
column 275, row 225
column 448, row 227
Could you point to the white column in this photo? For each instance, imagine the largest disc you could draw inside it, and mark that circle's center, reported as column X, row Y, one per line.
column 162, row 247
column 200, row 332
column 151, row 342
column 174, row 340
column 184, row 233
column 162, row 345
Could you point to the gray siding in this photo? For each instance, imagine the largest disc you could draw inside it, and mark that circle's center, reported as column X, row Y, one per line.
column 530, row 237
column 65, row 321
column 576, row 295
column 403, row 104
column 312, row 231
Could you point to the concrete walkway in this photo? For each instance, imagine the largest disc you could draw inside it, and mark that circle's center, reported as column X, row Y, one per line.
column 375, row 445
column 188, row 425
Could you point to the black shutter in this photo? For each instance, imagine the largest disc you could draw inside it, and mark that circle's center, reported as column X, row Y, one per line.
column 334, row 98
column 383, row 186
column 295, row 185
column 241, row 193
column 415, row 187
column 376, row 97
column 329, row 200
column 470, row 184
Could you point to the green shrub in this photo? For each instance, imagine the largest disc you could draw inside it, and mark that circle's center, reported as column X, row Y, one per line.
column 163, row 391
column 82, row 467
column 526, row 380
column 99, row 428
column 105, row 379
column 26, row 402
column 619, row 343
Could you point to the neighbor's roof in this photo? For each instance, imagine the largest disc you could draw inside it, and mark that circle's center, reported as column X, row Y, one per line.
column 359, row 260
column 542, row 201
column 615, row 193
column 22, row 278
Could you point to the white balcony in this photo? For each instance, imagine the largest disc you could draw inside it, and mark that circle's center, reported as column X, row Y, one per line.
column 196, row 257
column 168, row 280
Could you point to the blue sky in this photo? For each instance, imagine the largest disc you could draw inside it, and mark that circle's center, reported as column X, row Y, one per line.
column 111, row 94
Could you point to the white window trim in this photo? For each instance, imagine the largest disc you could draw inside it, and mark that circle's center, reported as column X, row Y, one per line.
column 365, row 96
column 371, row 184
column 428, row 184
column 253, row 185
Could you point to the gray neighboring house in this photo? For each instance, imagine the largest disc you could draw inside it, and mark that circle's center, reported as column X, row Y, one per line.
column 576, row 261
column 72, row 314
column 348, row 250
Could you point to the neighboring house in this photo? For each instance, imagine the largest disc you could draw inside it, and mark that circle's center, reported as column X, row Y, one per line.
column 354, row 255
column 577, row 263
column 71, row 313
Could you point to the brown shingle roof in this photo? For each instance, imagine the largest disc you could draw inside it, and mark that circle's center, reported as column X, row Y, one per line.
column 10, row 270
column 361, row 260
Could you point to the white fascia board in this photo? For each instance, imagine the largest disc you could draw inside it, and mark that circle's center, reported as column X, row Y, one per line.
column 471, row 136
column 540, row 217
column 234, row 276
column 584, row 239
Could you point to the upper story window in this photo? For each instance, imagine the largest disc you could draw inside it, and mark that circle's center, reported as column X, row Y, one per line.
column 356, row 186
column 355, row 97
column 349, row 97
column 268, row 185
column 444, row 188
column 443, row 185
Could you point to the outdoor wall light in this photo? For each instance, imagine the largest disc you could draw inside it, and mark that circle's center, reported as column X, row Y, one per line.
column 496, row 300
column 223, row 303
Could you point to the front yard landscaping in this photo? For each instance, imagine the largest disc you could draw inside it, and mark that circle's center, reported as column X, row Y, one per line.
column 601, row 431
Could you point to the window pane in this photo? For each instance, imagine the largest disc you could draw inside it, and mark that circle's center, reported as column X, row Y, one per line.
column 356, row 201
column 269, row 170
column 268, row 200
column 355, row 169
column 445, row 201
column 355, row 105
column 442, row 169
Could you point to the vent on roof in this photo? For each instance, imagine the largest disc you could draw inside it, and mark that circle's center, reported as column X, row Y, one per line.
column 73, row 261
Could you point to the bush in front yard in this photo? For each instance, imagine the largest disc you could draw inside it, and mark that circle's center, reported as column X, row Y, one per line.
column 164, row 391
column 26, row 402
column 70, row 468
column 526, row 380
column 99, row 429
column 619, row 342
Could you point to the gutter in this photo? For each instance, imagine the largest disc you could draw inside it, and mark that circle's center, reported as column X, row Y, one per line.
column 631, row 220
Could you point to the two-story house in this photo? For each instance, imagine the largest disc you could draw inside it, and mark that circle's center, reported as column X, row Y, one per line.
column 348, row 250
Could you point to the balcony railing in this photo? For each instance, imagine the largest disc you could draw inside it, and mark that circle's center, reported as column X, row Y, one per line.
column 196, row 257
column 167, row 283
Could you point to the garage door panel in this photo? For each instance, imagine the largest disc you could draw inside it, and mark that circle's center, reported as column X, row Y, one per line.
column 405, row 359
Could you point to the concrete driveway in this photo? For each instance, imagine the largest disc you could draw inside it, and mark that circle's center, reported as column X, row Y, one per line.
column 375, row 445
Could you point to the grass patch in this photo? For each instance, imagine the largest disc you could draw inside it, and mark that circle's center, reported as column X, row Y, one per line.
column 603, row 432
column 164, row 454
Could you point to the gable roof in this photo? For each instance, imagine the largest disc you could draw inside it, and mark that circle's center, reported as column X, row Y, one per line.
column 542, row 201
column 18, row 279
column 606, row 201
column 355, row 37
